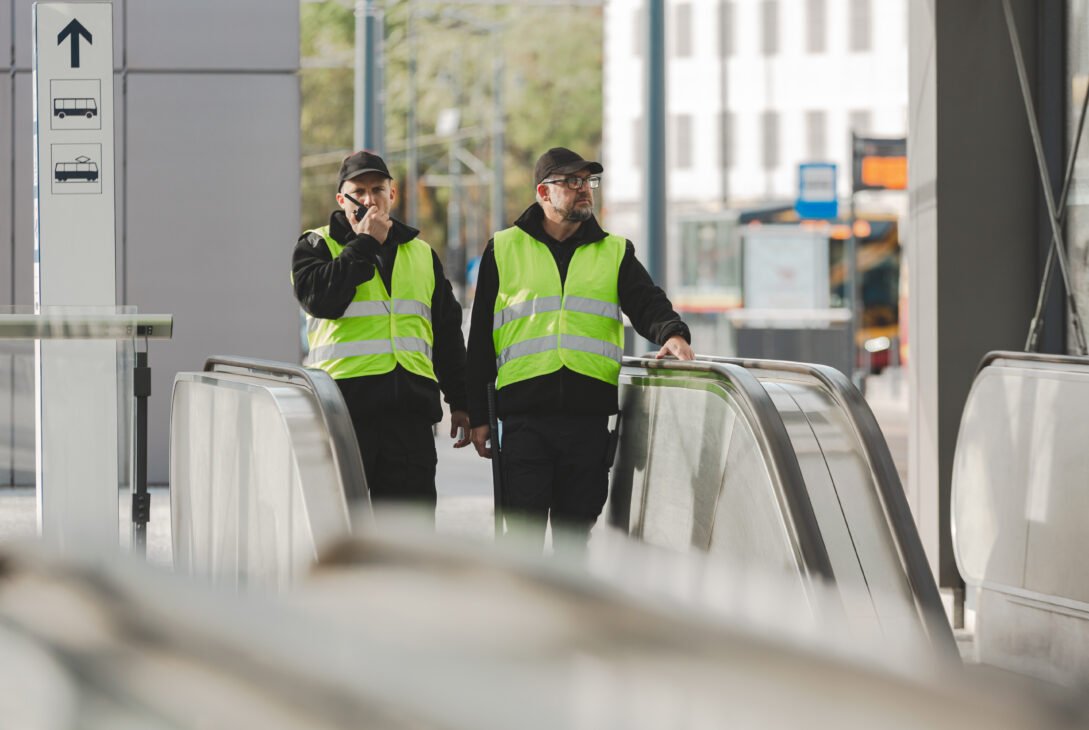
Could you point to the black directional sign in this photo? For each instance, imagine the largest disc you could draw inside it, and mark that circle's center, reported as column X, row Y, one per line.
column 73, row 31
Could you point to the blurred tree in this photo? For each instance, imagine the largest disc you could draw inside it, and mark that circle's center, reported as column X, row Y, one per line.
column 327, row 31
column 552, row 87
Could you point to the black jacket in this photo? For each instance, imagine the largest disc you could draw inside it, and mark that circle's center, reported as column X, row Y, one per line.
column 564, row 391
column 326, row 286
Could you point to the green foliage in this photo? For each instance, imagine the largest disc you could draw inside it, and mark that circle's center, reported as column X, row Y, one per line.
column 551, row 59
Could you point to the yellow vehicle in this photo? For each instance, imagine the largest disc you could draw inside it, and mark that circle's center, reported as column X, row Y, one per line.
column 710, row 284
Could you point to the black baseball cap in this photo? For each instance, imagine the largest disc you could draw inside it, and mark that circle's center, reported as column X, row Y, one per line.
column 360, row 163
column 561, row 161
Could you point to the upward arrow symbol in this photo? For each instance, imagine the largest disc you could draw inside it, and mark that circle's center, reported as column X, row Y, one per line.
column 74, row 30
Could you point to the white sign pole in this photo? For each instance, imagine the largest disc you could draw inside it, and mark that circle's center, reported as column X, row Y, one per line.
column 74, row 263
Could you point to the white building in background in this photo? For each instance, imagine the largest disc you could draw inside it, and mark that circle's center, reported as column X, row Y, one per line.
column 754, row 88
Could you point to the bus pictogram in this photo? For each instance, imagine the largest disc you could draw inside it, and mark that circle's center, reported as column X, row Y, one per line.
column 75, row 107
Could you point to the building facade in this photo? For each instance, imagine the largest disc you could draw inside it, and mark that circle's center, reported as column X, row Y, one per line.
column 754, row 88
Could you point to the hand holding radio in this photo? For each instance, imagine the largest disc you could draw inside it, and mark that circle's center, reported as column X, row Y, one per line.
column 369, row 220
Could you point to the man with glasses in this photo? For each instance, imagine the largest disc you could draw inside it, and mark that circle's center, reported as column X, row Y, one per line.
column 547, row 328
column 382, row 319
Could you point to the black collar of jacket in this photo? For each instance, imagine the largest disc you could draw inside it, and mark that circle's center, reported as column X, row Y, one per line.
column 532, row 222
column 342, row 233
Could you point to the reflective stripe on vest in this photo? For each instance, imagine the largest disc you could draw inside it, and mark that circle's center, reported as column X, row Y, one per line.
column 377, row 332
column 374, row 309
column 541, row 325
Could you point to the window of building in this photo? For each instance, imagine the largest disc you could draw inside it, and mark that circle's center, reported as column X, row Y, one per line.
column 769, row 15
column 682, row 24
column 769, row 122
column 682, row 141
column 816, row 135
column 726, row 32
column 860, row 121
column 727, row 147
column 815, row 31
column 861, row 28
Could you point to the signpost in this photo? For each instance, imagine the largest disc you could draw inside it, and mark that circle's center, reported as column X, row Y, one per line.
column 74, row 267
column 817, row 191
column 880, row 163
column 876, row 164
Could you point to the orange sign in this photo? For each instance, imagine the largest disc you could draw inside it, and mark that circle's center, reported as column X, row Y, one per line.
column 884, row 172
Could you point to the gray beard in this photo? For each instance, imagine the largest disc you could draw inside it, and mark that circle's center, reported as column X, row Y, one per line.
column 578, row 215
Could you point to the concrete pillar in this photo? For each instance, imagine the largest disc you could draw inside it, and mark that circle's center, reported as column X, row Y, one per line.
column 974, row 238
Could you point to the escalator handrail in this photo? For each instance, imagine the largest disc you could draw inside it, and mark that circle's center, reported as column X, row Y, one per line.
column 879, row 458
column 331, row 408
column 784, row 461
column 1044, row 357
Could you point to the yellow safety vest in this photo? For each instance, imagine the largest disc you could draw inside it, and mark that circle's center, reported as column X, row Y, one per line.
column 378, row 330
column 541, row 325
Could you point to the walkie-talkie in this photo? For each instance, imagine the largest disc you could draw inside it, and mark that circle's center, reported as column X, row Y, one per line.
column 360, row 210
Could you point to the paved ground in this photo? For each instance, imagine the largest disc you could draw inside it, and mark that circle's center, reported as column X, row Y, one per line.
column 887, row 396
column 464, row 482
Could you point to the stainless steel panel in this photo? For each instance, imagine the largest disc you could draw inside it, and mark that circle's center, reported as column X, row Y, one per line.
column 1032, row 637
column 211, row 34
column 24, row 32
column 629, row 473
column 211, row 214
column 990, row 477
column 857, row 497
column 1019, row 498
column 1019, row 507
column 750, row 518
column 846, row 502
column 255, row 489
column 690, row 474
column 684, row 469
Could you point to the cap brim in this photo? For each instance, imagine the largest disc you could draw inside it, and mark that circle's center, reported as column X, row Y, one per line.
column 360, row 173
column 595, row 168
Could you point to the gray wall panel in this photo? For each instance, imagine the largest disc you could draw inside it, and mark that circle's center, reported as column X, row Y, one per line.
column 213, row 34
column 212, row 213
column 6, row 359
column 119, row 182
column 6, row 181
column 21, row 363
column 6, row 40
column 23, row 215
column 24, row 32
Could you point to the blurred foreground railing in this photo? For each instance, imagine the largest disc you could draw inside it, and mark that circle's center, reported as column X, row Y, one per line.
column 403, row 629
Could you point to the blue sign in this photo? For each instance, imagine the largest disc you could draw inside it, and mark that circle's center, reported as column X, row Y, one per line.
column 817, row 191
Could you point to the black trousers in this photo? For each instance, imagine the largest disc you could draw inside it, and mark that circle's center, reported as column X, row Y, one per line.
column 399, row 460
column 554, row 465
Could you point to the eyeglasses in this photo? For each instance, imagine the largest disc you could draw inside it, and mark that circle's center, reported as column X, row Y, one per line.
column 575, row 183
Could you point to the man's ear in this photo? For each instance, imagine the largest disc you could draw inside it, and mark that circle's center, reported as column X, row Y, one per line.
column 542, row 191
column 392, row 193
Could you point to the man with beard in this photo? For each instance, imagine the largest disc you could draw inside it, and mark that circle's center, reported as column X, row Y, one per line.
column 383, row 321
column 547, row 329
